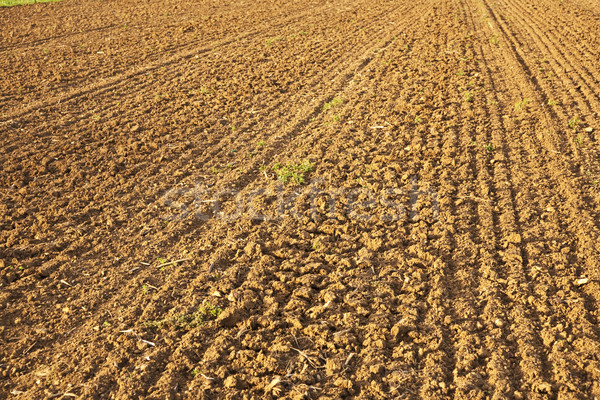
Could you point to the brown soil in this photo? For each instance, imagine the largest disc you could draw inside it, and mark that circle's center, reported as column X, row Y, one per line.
column 444, row 245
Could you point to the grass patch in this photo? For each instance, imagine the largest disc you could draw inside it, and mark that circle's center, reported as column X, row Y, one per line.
column 574, row 123
column 520, row 105
column 292, row 172
column 468, row 96
column 206, row 312
column 333, row 103
column 10, row 3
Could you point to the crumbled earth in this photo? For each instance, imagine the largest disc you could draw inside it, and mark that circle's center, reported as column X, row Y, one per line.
column 436, row 236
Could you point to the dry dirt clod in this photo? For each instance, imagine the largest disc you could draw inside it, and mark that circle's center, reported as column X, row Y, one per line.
column 231, row 382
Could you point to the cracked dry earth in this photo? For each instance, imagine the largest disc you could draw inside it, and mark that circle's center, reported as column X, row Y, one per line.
column 443, row 244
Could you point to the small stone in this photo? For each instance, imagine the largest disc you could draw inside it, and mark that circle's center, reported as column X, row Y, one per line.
column 498, row 322
column 135, row 128
column 581, row 281
column 589, row 129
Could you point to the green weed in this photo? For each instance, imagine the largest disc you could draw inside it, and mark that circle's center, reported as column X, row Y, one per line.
column 519, row 105
column 205, row 312
column 272, row 40
column 333, row 103
column 292, row 172
column 489, row 147
column 468, row 96
column 574, row 123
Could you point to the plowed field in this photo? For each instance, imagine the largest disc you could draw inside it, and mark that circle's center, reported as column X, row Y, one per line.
column 300, row 199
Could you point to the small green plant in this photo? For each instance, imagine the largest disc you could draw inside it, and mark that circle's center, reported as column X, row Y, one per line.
column 260, row 143
column 552, row 103
column 494, row 39
column 208, row 311
column 519, row 105
column 579, row 140
column 489, row 147
column 333, row 103
column 204, row 90
column 336, row 118
column 461, row 73
column 145, row 289
column 418, row 120
column 574, row 123
column 468, row 96
column 195, row 372
column 161, row 262
column 272, row 40
column 316, row 245
column 205, row 312
column 292, row 172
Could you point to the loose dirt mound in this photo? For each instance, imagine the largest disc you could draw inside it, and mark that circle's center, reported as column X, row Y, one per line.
column 436, row 236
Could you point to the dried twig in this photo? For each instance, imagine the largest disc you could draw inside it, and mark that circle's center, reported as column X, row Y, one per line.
column 303, row 354
column 341, row 332
column 174, row 262
column 207, row 377
column 29, row 348
column 349, row 358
